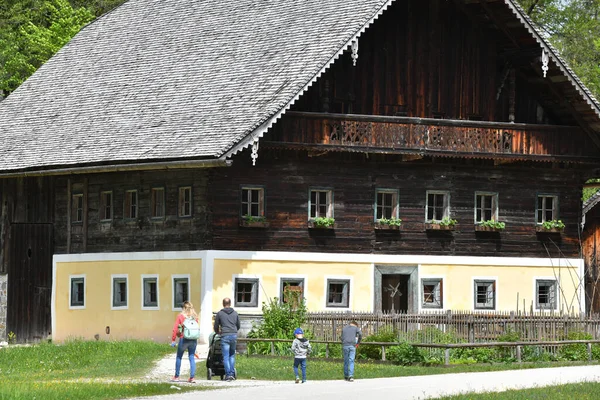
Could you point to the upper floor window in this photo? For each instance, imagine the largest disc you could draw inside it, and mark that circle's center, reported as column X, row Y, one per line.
column 185, row 201
column 321, row 203
column 486, row 207
column 546, row 294
column 437, row 206
column 386, row 204
column 157, row 203
column 253, row 202
column 106, row 206
column 485, row 294
column 547, row 208
column 131, row 204
column 432, row 290
column 77, row 207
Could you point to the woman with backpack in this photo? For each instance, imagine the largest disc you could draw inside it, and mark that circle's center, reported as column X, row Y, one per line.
column 186, row 328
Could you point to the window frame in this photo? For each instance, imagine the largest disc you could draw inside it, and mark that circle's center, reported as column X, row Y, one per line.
column 181, row 204
column 478, row 206
column 77, row 305
column 75, row 209
column 154, row 203
column 246, row 202
column 536, row 284
column 175, row 279
column 346, row 294
column 438, row 283
column 255, row 293
column 481, row 281
column 129, row 205
column 328, row 203
column 395, row 203
column 105, row 207
column 446, row 205
column 283, row 279
column 144, row 279
column 120, row 304
column 540, row 216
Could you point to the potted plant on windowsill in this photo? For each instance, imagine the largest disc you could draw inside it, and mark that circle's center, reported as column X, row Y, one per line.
column 249, row 221
column 490, row 226
column 321, row 223
column 553, row 226
column 445, row 224
column 388, row 224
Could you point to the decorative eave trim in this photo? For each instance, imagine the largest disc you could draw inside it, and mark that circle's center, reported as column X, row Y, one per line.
column 262, row 128
column 558, row 61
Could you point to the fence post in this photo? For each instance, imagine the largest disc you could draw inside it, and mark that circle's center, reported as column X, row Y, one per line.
column 272, row 348
column 382, row 353
column 518, row 353
column 589, row 350
column 471, row 325
column 326, row 350
column 447, row 356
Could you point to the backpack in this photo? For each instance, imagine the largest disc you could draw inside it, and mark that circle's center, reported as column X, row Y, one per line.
column 191, row 329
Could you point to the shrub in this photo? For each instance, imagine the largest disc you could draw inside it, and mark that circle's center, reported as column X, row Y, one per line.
column 575, row 352
column 373, row 352
column 323, row 222
column 404, row 354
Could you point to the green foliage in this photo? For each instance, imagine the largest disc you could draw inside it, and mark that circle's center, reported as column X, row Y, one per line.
column 493, row 224
column 12, row 337
column 446, row 221
column 251, row 218
column 404, row 354
column 575, row 352
column 323, row 222
column 390, row 221
column 553, row 224
column 373, row 352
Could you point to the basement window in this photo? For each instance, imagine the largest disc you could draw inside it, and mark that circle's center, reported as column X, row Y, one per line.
column 119, row 292
column 77, row 292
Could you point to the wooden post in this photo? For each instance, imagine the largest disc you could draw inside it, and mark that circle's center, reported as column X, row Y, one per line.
column 383, row 353
column 518, row 353
column 69, row 215
column 272, row 348
column 589, row 351
column 447, row 356
column 326, row 350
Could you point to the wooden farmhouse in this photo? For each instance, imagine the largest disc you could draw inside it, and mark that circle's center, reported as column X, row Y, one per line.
column 374, row 155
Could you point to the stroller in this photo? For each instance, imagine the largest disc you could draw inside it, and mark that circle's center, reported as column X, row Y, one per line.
column 214, row 360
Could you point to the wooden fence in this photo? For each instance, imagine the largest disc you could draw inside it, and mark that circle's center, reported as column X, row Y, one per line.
column 457, row 326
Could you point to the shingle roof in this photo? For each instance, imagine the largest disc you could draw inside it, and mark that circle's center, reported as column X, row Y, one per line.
column 179, row 79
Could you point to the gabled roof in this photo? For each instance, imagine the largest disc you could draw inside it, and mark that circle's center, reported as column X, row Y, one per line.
column 183, row 80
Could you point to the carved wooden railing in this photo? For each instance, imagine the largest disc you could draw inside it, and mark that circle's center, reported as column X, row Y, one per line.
column 426, row 134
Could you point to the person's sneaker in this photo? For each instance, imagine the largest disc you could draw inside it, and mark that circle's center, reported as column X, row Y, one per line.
column 303, row 381
column 230, row 379
column 297, row 380
column 175, row 379
column 345, row 378
column 191, row 380
column 351, row 379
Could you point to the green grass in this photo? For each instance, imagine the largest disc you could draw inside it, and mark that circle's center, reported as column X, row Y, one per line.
column 579, row 391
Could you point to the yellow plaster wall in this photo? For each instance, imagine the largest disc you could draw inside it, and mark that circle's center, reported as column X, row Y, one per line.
column 315, row 274
column 458, row 284
column 133, row 322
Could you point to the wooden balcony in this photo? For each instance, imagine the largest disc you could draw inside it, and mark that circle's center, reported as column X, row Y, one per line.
column 427, row 136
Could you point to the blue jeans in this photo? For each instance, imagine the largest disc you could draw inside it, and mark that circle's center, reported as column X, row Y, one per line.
column 302, row 363
column 228, row 343
column 190, row 346
column 349, row 354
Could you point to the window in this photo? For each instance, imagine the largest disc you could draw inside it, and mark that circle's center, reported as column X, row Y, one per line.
column 291, row 289
column 246, row 292
column 157, row 203
column 386, row 204
column 338, row 293
column 432, row 293
column 547, row 208
column 185, row 201
column 150, row 292
column 77, row 292
column 119, row 291
column 253, row 202
column 77, row 208
column 106, row 204
column 485, row 294
column 181, row 287
column 486, row 207
column 438, row 205
column 131, row 204
column 545, row 294
column 321, row 204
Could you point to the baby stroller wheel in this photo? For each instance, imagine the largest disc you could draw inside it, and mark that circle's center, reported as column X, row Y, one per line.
column 209, row 374
column 235, row 373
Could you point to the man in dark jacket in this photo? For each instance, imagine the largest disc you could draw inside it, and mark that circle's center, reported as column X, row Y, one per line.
column 227, row 324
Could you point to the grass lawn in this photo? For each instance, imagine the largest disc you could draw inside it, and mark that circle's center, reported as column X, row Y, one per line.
column 579, row 391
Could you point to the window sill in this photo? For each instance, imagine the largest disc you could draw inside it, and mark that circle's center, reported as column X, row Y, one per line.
column 386, row 227
column 541, row 229
column 254, row 224
column 312, row 225
column 438, row 227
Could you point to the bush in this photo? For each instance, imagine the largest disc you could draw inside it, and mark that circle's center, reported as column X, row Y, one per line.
column 373, row 352
column 404, row 354
column 575, row 352
column 474, row 355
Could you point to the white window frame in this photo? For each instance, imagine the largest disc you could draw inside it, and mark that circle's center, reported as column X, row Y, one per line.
column 155, row 207
column 483, row 280
column 71, row 279
column 395, row 203
column 133, row 211
column 258, row 295
column 335, row 279
column 119, row 278
column 439, row 281
column 105, row 207
column 182, row 203
column 479, row 206
column 144, row 306
column 77, row 212
column 446, row 205
column 540, row 214
column 246, row 201
column 536, row 294
column 328, row 203
column 291, row 277
column 174, row 278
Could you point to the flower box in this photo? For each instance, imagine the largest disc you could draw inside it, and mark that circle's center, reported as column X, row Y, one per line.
column 438, row 227
column 385, row 227
column 313, row 225
column 541, row 229
column 254, row 224
column 479, row 228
